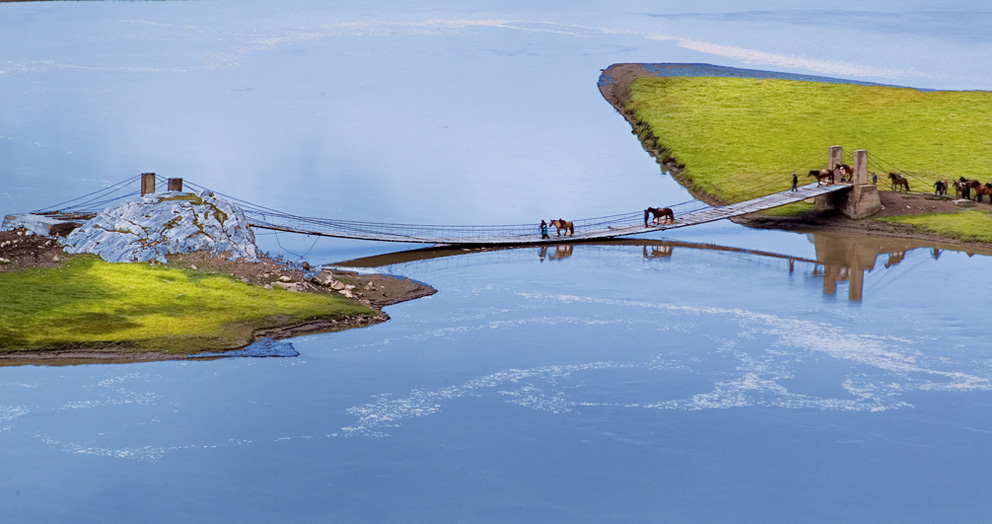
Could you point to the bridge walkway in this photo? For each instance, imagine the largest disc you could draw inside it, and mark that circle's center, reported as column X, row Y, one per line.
column 585, row 229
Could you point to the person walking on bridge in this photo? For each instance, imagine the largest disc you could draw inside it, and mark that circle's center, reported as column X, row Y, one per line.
column 795, row 182
column 544, row 229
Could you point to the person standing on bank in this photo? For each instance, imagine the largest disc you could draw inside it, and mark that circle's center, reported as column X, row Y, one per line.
column 544, row 229
column 795, row 182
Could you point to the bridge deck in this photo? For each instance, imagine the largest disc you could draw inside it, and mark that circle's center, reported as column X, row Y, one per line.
column 586, row 229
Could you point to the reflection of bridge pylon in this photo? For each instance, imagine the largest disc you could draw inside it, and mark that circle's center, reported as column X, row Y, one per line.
column 847, row 257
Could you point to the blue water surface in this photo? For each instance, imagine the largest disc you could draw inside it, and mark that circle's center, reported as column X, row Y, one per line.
column 627, row 382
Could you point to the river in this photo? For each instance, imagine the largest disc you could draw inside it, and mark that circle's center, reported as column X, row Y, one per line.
column 711, row 374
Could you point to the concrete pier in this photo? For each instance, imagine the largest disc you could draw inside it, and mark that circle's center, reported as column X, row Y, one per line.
column 862, row 200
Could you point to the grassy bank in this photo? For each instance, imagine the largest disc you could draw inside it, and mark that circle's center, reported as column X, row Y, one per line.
column 967, row 226
column 741, row 138
column 139, row 307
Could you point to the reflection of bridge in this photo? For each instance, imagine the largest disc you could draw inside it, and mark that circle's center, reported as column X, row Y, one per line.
column 585, row 229
column 839, row 257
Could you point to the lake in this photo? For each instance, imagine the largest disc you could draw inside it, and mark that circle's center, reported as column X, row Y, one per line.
column 710, row 374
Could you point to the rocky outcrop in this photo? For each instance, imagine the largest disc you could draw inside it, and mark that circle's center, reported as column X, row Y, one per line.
column 162, row 224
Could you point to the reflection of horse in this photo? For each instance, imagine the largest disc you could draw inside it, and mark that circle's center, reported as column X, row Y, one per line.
column 658, row 251
column 895, row 258
column 561, row 251
column 659, row 214
column 562, row 225
column 824, row 177
column 899, row 181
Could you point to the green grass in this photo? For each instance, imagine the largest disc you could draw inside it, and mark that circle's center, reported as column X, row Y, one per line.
column 969, row 226
column 88, row 302
column 742, row 138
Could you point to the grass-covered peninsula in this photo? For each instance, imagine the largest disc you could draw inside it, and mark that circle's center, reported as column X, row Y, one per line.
column 165, row 276
column 89, row 303
column 734, row 138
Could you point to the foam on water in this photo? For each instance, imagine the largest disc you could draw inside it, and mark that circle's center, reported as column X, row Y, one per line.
column 885, row 369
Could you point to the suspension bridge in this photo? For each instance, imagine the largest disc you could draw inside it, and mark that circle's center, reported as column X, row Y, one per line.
column 605, row 227
column 632, row 223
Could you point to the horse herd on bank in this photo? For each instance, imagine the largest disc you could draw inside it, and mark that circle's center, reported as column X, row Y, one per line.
column 963, row 188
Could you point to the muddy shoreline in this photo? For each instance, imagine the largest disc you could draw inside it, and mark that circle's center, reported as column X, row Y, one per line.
column 616, row 91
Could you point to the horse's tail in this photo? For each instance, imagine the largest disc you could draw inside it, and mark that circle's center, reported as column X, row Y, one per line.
column 646, row 211
column 571, row 228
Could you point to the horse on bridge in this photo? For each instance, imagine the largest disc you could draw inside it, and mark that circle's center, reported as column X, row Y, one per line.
column 563, row 225
column 824, row 177
column 659, row 213
column 846, row 172
column 899, row 182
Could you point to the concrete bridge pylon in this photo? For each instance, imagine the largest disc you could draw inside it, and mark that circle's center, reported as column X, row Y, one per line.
column 862, row 200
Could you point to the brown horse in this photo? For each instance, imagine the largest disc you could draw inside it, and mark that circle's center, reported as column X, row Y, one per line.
column 659, row 213
column 962, row 189
column 562, row 225
column 983, row 190
column 824, row 177
column 846, row 172
column 899, row 181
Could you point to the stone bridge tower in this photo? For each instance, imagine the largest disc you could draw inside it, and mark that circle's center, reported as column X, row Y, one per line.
column 862, row 200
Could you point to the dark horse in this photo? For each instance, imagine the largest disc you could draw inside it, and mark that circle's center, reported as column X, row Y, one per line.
column 562, row 225
column 659, row 214
column 899, row 181
column 962, row 188
column 824, row 177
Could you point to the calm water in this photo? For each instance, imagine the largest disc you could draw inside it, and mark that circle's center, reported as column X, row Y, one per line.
column 658, row 379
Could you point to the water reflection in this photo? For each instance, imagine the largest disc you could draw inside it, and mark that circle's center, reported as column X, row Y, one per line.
column 663, row 251
column 559, row 252
column 845, row 258
column 840, row 258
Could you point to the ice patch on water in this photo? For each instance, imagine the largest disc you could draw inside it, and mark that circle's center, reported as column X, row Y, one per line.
column 885, row 353
column 142, row 454
column 387, row 412
column 9, row 413
column 537, row 399
column 881, row 371
column 114, row 394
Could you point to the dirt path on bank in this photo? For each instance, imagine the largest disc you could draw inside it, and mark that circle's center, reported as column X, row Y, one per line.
column 614, row 85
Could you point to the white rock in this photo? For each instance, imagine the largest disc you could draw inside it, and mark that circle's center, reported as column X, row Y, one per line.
column 324, row 278
column 165, row 223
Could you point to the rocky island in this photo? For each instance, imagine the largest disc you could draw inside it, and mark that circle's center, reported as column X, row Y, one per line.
column 171, row 275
